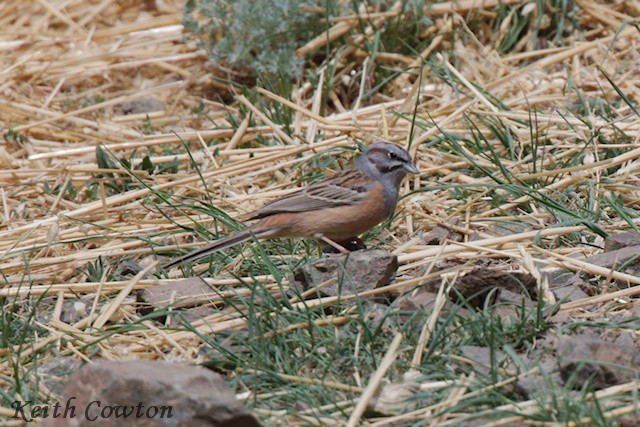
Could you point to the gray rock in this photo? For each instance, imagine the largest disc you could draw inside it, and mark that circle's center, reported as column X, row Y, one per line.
column 631, row 420
column 539, row 386
column 476, row 285
column 508, row 305
column 481, row 358
column 393, row 399
column 356, row 272
column 190, row 315
column 180, row 293
column 626, row 260
column 621, row 240
column 589, row 358
column 566, row 285
column 129, row 268
column 418, row 299
column 569, row 293
column 55, row 371
column 149, row 393
column 142, row 105
column 441, row 233
column 75, row 310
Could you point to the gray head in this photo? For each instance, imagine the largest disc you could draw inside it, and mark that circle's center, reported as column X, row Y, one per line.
column 387, row 162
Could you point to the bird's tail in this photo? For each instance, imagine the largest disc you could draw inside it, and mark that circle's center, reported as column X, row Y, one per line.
column 218, row 245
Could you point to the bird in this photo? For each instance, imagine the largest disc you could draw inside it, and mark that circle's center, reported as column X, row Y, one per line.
column 335, row 210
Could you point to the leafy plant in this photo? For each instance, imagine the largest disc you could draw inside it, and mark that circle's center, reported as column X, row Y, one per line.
column 260, row 35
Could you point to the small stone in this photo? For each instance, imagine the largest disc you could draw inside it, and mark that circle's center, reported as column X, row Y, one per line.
column 631, row 420
column 129, row 268
column 487, row 276
column 142, row 105
column 152, row 393
column 561, row 318
column 586, row 358
column 225, row 355
column 441, row 233
column 508, row 305
column 503, row 228
column 393, row 399
column 75, row 310
column 566, row 285
column 569, row 293
column 537, row 384
column 55, row 371
column 629, row 257
column 376, row 317
column 356, row 272
column 476, row 285
column 481, row 358
column 474, row 236
column 621, row 240
column 416, row 300
column 190, row 315
column 180, row 293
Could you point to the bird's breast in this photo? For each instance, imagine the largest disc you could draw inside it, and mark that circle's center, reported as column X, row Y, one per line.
column 337, row 223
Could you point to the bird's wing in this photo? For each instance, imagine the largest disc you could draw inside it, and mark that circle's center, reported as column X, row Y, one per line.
column 345, row 188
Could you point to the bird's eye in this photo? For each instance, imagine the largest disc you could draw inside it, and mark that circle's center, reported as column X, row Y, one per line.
column 393, row 156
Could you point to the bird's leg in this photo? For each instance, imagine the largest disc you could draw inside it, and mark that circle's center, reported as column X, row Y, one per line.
column 341, row 249
column 352, row 244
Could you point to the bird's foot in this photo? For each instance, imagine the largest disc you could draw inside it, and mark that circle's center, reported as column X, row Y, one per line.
column 349, row 245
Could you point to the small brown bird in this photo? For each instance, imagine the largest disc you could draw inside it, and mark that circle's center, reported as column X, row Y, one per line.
column 335, row 210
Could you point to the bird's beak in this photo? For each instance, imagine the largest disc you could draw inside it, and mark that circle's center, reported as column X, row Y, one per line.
column 411, row 168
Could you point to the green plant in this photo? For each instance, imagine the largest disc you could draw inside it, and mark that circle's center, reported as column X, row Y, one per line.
column 260, row 35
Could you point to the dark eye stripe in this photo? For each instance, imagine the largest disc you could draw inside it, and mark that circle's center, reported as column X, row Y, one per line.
column 389, row 168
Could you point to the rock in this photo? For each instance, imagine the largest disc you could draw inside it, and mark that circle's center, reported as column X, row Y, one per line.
column 476, row 285
column 377, row 318
column 541, row 384
column 627, row 257
column 416, row 300
column 356, row 272
column 224, row 357
column 631, row 420
column 149, row 393
column 482, row 281
column 584, row 358
column 509, row 306
column 75, row 310
column 129, row 268
column 180, row 293
column 505, row 228
column 614, row 242
column 481, row 358
column 442, row 233
column 474, row 236
column 569, row 293
column 142, row 105
column 566, row 285
column 190, row 315
column 569, row 285
column 392, row 399
column 546, row 379
column 55, row 371
column 560, row 318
